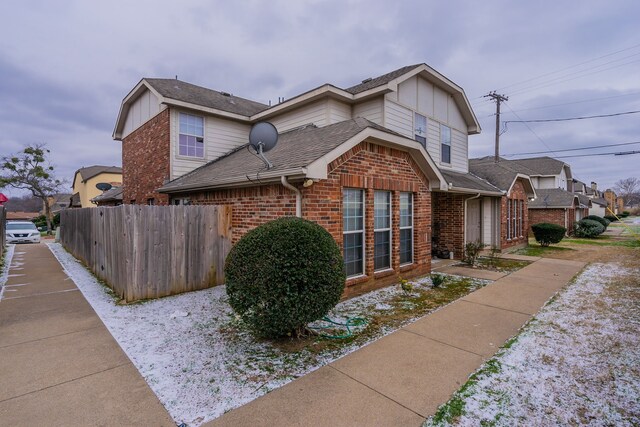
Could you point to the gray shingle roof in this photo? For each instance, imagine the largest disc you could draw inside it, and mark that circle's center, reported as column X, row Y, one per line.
column 584, row 200
column 468, row 181
column 380, row 80
column 552, row 198
column 501, row 174
column 91, row 171
column 600, row 201
column 541, row 165
column 187, row 92
column 295, row 149
column 114, row 193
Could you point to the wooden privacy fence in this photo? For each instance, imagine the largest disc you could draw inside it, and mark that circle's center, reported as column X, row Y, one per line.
column 150, row 251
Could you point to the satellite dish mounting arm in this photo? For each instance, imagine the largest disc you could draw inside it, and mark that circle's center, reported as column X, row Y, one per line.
column 260, row 153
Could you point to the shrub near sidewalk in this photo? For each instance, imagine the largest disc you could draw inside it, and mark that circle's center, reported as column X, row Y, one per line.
column 588, row 228
column 546, row 233
column 283, row 275
column 605, row 222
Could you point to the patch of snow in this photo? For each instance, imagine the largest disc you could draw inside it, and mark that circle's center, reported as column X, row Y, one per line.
column 200, row 365
column 4, row 274
column 576, row 363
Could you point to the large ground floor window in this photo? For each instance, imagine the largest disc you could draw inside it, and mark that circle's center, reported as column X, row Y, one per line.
column 353, row 231
column 406, row 228
column 382, row 230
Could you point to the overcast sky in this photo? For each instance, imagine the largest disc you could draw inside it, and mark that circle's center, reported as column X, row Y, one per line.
column 66, row 65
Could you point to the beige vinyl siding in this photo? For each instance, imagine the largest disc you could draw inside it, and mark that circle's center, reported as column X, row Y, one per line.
column 547, row 182
column 441, row 105
column 459, row 151
column 398, row 119
column 140, row 111
column 220, row 137
column 370, row 110
column 315, row 113
column 338, row 111
column 425, row 97
column 433, row 140
column 408, row 92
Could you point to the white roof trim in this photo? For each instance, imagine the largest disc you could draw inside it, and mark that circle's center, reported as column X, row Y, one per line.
column 527, row 179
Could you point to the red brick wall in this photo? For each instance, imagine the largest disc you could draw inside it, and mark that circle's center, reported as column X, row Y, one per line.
column 448, row 221
column 517, row 193
column 145, row 161
column 367, row 166
column 553, row 216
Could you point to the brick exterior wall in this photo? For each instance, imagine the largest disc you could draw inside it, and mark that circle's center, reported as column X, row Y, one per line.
column 448, row 221
column 553, row 216
column 517, row 193
column 367, row 166
column 145, row 161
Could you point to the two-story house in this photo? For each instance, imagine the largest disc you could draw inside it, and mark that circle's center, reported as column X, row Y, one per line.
column 382, row 165
column 596, row 202
column 85, row 180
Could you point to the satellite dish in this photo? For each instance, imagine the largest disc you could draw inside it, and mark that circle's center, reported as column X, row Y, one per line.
column 263, row 137
column 263, row 134
column 103, row 186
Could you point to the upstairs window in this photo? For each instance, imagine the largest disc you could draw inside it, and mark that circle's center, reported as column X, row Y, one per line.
column 445, row 144
column 420, row 131
column 191, row 140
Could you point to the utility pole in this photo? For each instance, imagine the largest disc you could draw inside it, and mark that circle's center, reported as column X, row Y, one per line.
column 498, row 98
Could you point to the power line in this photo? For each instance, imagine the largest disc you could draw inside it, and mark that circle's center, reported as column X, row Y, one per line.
column 573, row 118
column 532, row 131
column 622, row 153
column 574, row 149
column 570, row 67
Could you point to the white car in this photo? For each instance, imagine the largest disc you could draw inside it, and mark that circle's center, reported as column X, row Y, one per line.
column 22, row 232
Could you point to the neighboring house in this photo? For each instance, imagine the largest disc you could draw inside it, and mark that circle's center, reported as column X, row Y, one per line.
column 598, row 204
column 22, row 216
column 556, row 206
column 612, row 201
column 366, row 162
column 547, row 172
column 513, row 206
column 111, row 197
column 86, row 178
column 58, row 202
column 74, row 201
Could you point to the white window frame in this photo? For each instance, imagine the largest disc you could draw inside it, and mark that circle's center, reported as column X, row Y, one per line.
column 446, row 142
column 197, row 137
column 361, row 231
column 406, row 227
column 514, row 220
column 418, row 132
column 383, row 230
column 521, row 217
column 508, row 219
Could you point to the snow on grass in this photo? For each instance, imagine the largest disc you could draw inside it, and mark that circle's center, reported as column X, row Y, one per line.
column 198, row 360
column 4, row 273
column 576, row 363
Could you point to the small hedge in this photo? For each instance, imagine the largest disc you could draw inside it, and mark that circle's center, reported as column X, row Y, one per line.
column 546, row 233
column 283, row 275
column 588, row 228
column 604, row 221
column 611, row 218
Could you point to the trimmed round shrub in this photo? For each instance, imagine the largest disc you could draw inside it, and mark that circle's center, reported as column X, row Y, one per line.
column 625, row 214
column 611, row 218
column 283, row 275
column 604, row 221
column 588, row 228
column 547, row 233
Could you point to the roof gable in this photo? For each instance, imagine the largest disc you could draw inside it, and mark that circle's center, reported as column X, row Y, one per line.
column 548, row 198
column 89, row 172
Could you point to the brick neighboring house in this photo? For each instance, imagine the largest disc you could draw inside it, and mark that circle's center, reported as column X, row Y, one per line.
column 556, row 206
column 612, row 201
column 379, row 147
column 517, row 189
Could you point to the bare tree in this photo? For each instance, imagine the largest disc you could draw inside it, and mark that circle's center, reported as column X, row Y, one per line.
column 31, row 170
column 628, row 189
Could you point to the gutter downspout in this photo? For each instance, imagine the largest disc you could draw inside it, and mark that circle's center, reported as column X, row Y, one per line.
column 465, row 216
column 286, row 184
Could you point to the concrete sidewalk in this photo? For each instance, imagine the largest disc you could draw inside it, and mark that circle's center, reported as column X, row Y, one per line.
column 58, row 363
column 402, row 378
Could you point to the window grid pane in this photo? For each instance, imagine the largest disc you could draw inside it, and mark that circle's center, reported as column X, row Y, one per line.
column 382, row 230
column 191, row 138
column 406, row 228
column 445, row 144
column 420, row 129
column 353, row 231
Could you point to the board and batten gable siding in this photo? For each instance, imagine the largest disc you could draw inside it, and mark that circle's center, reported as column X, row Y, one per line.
column 315, row 113
column 337, row 111
column 220, row 137
column 140, row 111
column 371, row 110
column 418, row 95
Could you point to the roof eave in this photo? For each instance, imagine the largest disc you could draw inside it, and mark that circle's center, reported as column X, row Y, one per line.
column 454, row 189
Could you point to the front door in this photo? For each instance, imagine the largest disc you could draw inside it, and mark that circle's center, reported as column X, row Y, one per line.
column 473, row 220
